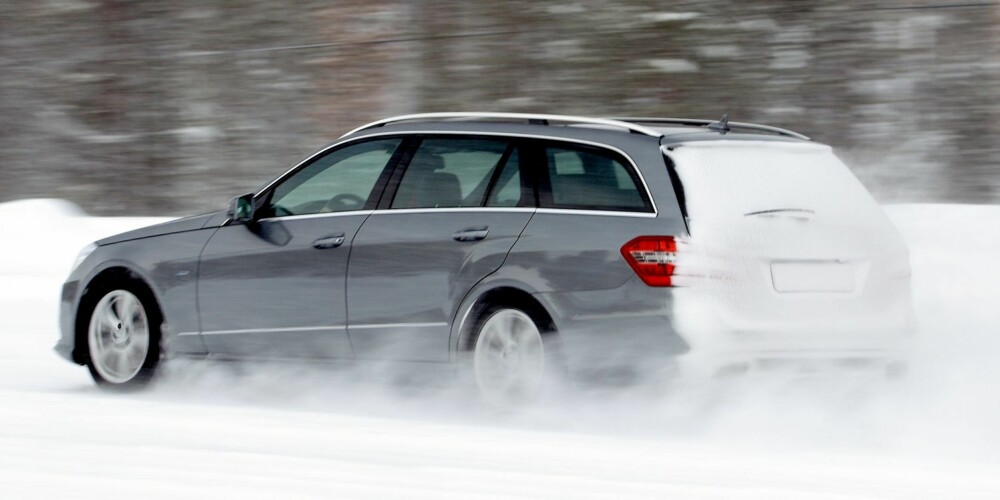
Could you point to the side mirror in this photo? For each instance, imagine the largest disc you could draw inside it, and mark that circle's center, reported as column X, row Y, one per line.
column 241, row 209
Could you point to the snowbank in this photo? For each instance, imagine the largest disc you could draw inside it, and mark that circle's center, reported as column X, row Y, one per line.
column 42, row 237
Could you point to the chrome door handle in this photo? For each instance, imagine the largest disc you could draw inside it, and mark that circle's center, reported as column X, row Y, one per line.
column 326, row 242
column 471, row 234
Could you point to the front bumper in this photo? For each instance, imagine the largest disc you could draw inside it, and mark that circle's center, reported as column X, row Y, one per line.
column 66, row 346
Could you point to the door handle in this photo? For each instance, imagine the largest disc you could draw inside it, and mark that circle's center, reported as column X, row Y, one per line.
column 332, row 241
column 471, row 234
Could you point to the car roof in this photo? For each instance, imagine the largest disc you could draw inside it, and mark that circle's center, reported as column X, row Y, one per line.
column 623, row 133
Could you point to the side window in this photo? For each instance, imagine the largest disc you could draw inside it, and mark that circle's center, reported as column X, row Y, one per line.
column 452, row 172
column 340, row 181
column 592, row 179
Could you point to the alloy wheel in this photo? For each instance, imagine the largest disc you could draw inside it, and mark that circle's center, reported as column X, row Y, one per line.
column 118, row 337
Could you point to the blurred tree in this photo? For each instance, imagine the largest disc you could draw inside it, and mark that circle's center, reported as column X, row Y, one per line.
column 160, row 107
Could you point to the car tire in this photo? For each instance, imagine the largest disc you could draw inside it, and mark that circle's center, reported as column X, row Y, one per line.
column 513, row 361
column 122, row 336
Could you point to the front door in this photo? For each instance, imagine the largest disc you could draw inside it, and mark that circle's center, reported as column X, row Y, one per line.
column 459, row 207
column 275, row 287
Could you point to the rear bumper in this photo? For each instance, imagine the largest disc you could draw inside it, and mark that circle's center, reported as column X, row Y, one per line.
column 826, row 337
column 646, row 329
column 817, row 359
column 648, row 345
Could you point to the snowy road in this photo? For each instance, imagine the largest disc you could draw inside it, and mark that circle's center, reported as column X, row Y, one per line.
column 288, row 432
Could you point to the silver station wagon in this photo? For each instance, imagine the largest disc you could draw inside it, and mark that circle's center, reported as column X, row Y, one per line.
column 514, row 246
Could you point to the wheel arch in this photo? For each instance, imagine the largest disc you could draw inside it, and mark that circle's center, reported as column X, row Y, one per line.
column 499, row 295
column 110, row 275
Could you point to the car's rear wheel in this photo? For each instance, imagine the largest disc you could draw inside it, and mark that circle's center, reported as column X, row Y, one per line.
column 123, row 338
column 509, row 358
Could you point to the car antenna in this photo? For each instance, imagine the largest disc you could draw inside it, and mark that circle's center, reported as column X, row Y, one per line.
column 722, row 125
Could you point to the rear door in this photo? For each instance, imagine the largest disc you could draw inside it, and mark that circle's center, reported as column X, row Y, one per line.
column 275, row 287
column 448, row 220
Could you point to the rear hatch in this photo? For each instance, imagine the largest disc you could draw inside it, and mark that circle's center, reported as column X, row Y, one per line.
column 783, row 238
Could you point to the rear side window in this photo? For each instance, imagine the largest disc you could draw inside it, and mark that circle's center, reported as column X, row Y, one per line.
column 452, row 172
column 591, row 179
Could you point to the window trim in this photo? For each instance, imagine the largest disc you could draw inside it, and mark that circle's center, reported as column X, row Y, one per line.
column 554, row 211
column 415, row 134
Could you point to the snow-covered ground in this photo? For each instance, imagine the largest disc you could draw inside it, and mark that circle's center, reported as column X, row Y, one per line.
column 221, row 431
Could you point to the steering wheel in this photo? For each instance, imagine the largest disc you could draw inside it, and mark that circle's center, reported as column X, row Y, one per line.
column 342, row 202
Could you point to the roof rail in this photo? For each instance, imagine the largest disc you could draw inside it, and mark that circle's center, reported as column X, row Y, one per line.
column 706, row 123
column 531, row 118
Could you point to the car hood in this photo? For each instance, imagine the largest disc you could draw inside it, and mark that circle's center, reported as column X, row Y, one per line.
column 192, row 223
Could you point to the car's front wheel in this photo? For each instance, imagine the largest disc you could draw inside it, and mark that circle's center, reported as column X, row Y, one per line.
column 509, row 359
column 123, row 338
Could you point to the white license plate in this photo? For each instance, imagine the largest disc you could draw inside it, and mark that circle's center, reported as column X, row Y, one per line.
column 812, row 276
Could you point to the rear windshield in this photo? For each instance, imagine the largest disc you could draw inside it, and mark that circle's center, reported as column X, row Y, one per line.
column 730, row 180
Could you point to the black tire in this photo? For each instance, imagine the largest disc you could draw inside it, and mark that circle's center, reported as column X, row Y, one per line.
column 133, row 340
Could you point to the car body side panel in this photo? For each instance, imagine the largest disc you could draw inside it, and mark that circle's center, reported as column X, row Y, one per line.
column 606, row 317
column 167, row 263
column 407, row 274
column 192, row 223
column 570, row 261
column 569, row 251
column 624, row 328
column 266, row 291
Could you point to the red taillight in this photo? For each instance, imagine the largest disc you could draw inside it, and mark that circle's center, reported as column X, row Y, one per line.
column 652, row 258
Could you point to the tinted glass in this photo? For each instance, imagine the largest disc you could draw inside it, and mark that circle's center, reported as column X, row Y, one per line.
column 453, row 172
column 340, row 181
column 592, row 179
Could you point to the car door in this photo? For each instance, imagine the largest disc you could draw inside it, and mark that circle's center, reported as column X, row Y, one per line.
column 449, row 218
column 275, row 287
